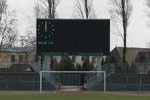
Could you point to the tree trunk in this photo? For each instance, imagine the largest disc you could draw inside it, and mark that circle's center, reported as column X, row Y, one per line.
column 86, row 9
column 123, row 10
column 42, row 59
column 52, row 5
column 124, row 53
column 53, row 9
column 50, row 8
column 125, row 35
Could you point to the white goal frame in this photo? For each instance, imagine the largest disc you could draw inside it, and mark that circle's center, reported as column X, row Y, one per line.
column 41, row 73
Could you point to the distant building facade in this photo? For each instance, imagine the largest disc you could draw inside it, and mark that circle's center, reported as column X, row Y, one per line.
column 139, row 57
column 14, row 59
column 133, row 55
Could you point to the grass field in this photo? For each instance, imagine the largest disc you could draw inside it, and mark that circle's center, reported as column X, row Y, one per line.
column 71, row 96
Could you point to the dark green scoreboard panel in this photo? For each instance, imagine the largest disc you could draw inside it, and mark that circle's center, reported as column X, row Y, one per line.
column 73, row 37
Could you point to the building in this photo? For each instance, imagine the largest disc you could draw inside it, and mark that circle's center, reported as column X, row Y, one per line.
column 133, row 55
column 14, row 59
column 140, row 57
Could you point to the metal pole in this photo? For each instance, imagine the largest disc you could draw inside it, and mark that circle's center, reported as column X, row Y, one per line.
column 140, row 83
column 127, row 79
column 104, row 82
column 73, row 71
column 41, row 82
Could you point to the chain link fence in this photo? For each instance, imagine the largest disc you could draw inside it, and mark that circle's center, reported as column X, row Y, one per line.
column 139, row 68
column 137, row 81
column 128, row 82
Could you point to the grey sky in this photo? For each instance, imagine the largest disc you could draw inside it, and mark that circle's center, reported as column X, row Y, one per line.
column 138, row 32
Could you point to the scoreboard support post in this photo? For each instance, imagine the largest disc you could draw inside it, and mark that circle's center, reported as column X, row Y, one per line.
column 99, row 65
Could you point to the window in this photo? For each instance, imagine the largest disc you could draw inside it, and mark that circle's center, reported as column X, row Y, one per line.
column 20, row 59
column 13, row 58
column 5, row 58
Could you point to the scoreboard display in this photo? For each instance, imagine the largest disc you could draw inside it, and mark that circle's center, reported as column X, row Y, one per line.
column 73, row 37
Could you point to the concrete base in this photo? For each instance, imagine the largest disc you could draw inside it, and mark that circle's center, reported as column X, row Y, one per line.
column 71, row 88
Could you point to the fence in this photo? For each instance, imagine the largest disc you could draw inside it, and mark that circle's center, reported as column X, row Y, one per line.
column 139, row 68
column 128, row 82
column 114, row 82
column 23, row 83
column 19, row 82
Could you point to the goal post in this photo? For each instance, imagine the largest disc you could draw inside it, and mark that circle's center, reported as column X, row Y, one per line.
column 55, row 78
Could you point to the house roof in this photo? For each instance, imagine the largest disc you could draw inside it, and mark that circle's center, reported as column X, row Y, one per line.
column 16, row 49
column 131, row 54
column 20, row 68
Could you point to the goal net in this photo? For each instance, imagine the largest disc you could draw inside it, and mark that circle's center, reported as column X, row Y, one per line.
column 72, row 81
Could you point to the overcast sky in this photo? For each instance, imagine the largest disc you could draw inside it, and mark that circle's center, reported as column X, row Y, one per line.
column 138, row 32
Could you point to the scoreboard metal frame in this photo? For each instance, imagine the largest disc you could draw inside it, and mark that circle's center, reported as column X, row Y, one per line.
column 73, row 37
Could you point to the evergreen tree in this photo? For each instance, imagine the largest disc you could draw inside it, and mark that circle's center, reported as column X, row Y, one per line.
column 66, row 64
column 109, row 59
column 78, row 67
column 86, row 65
column 57, row 66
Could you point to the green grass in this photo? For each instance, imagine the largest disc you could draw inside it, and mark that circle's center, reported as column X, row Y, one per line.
column 71, row 96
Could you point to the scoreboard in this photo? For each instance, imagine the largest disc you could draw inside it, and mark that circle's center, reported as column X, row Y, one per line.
column 73, row 37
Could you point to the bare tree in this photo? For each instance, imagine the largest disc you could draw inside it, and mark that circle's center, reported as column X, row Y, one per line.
column 27, row 41
column 121, row 13
column 147, row 10
column 46, row 8
column 8, row 29
column 2, row 7
column 84, row 9
column 52, row 5
column 43, row 9
column 22, row 40
column 147, row 3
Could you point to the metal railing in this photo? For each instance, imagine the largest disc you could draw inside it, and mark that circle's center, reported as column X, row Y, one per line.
column 133, row 82
column 139, row 68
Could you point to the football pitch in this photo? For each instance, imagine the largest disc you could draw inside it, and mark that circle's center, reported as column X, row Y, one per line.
column 71, row 96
